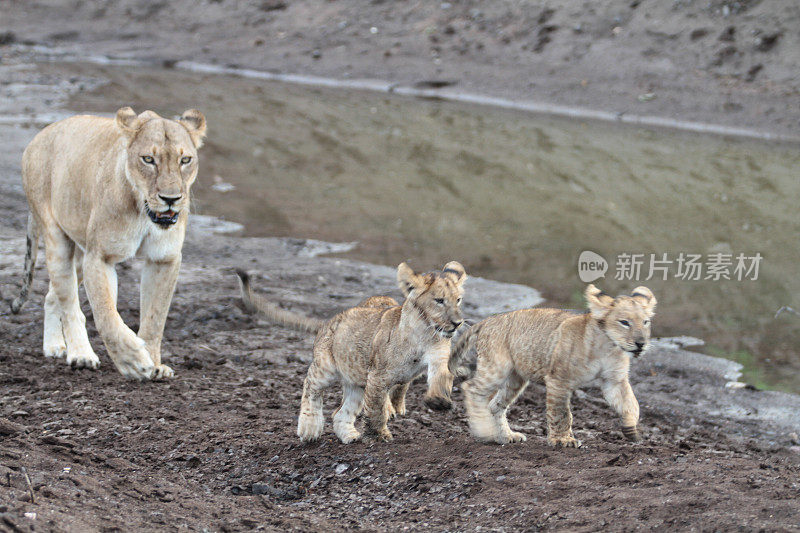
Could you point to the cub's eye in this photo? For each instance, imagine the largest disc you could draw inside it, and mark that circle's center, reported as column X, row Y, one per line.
column 185, row 160
column 625, row 323
column 148, row 159
column 459, row 301
column 439, row 301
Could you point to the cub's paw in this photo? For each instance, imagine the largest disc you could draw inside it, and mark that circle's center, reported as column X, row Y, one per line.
column 391, row 412
column 399, row 410
column 438, row 403
column 631, row 433
column 349, row 436
column 382, row 435
column 163, row 372
column 86, row 359
column 309, row 427
column 514, row 436
column 565, row 442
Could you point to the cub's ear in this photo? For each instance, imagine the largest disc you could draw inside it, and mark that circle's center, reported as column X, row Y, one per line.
column 645, row 297
column 147, row 115
column 455, row 271
column 195, row 123
column 408, row 280
column 599, row 302
column 127, row 120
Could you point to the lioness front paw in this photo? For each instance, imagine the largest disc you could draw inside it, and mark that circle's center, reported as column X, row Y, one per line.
column 85, row 359
column 163, row 372
column 56, row 349
column 134, row 361
column 565, row 442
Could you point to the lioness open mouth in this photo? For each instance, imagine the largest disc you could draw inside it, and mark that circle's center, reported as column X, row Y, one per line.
column 164, row 219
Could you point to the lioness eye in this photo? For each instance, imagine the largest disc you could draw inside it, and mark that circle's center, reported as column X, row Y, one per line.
column 459, row 301
column 625, row 323
column 646, row 322
column 148, row 159
column 439, row 301
column 185, row 160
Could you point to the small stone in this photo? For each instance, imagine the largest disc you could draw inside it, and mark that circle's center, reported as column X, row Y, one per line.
column 341, row 467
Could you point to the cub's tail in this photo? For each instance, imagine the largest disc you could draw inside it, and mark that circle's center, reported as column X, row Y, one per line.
column 32, row 243
column 256, row 303
column 463, row 354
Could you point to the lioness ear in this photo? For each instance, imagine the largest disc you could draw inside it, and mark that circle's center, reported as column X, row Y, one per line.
column 599, row 302
column 455, row 271
column 646, row 298
column 127, row 120
column 195, row 123
column 407, row 279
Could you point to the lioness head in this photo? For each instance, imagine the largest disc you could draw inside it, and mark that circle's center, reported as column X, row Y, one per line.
column 625, row 319
column 435, row 295
column 162, row 160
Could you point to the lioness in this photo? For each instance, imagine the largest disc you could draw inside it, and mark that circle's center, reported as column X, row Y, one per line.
column 560, row 348
column 101, row 190
column 376, row 349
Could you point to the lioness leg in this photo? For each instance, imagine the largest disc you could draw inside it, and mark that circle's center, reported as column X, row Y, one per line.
column 126, row 349
column 321, row 375
column 397, row 396
column 345, row 417
column 619, row 396
column 156, row 290
column 376, row 405
column 509, row 391
column 440, row 380
column 54, row 344
column 559, row 415
column 62, row 302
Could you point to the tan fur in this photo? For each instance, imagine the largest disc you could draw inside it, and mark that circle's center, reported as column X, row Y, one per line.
column 92, row 188
column 562, row 349
column 377, row 348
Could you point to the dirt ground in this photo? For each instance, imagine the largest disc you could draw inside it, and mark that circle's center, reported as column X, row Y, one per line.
column 215, row 450
column 730, row 62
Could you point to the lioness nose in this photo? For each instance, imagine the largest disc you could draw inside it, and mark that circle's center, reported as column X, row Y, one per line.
column 169, row 200
column 639, row 345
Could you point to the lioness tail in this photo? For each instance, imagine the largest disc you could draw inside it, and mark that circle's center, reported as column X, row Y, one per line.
column 32, row 248
column 257, row 303
column 463, row 354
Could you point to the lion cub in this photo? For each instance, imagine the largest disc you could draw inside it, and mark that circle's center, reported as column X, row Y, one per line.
column 376, row 349
column 560, row 348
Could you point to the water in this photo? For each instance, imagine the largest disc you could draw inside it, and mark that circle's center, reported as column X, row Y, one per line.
column 514, row 196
